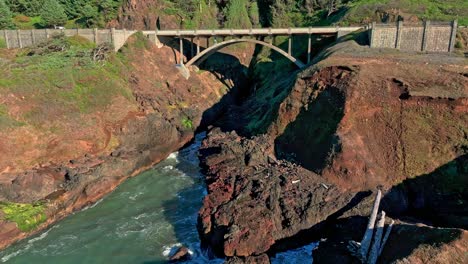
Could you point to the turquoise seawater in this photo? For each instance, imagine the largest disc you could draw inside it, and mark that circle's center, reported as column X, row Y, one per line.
column 140, row 222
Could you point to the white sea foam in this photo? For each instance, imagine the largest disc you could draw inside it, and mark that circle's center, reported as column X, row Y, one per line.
column 168, row 168
column 174, row 156
column 93, row 205
column 28, row 245
column 170, row 250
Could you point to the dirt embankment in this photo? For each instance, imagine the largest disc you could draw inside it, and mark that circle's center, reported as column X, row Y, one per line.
column 359, row 120
column 91, row 152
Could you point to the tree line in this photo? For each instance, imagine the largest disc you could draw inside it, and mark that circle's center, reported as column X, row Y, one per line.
column 252, row 13
column 87, row 13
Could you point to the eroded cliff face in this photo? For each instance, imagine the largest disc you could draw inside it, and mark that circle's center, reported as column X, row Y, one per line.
column 358, row 120
column 76, row 165
column 145, row 15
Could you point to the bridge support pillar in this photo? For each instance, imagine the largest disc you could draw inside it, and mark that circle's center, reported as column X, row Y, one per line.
column 191, row 47
column 207, row 42
column 183, row 70
column 181, row 50
column 290, row 45
column 156, row 39
column 309, row 49
column 198, row 45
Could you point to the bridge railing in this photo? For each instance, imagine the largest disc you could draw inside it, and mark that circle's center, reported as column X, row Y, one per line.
column 252, row 32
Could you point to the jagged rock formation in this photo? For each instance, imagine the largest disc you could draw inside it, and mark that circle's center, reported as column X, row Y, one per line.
column 357, row 120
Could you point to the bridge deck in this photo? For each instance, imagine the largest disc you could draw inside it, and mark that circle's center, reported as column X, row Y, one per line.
column 252, row 32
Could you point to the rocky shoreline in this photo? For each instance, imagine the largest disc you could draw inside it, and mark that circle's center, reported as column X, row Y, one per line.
column 162, row 124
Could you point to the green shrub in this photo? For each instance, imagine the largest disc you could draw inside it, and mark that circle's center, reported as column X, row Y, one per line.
column 80, row 42
column 27, row 216
column 187, row 123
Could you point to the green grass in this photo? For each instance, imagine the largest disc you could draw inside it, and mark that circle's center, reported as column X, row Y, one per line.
column 437, row 10
column 63, row 83
column 24, row 22
column 187, row 123
column 358, row 12
column 27, row 216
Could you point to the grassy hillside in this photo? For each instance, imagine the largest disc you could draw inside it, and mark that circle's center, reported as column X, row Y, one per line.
column 57, row 92
column 359, row 11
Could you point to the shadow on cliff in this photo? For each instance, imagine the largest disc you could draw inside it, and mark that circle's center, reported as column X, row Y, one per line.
column 403, row 241
column 227, row 69
column 439, row 198
column 311, row 139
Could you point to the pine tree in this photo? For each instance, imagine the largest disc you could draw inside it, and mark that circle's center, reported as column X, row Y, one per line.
column 237, row 15
column 25, row 7
column 254, row 14
column 205, row 16
column 5, row 16
column 52, row 13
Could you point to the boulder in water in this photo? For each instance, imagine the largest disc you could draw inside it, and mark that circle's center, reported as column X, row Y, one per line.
column 181, row 254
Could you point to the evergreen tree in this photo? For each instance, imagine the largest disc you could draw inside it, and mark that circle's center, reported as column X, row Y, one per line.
column 25, row 7
column 74, row 8
column 52, row 13
column 205, row 16
column 254, row 14
column 237, row 15
column 109, row 8
column 5, row 16
column 91, row 15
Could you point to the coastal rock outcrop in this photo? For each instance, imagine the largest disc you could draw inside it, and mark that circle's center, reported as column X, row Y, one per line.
column 313, row 151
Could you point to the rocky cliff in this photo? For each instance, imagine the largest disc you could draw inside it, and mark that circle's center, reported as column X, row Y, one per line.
column 71, row 137
column 358, row 120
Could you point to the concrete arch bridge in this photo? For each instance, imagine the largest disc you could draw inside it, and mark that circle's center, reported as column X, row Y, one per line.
column 240, row 36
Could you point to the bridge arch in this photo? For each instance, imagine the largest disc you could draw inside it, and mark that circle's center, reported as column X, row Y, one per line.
column 209, row 51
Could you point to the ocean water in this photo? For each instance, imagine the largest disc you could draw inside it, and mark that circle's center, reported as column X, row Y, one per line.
column 142, row 221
